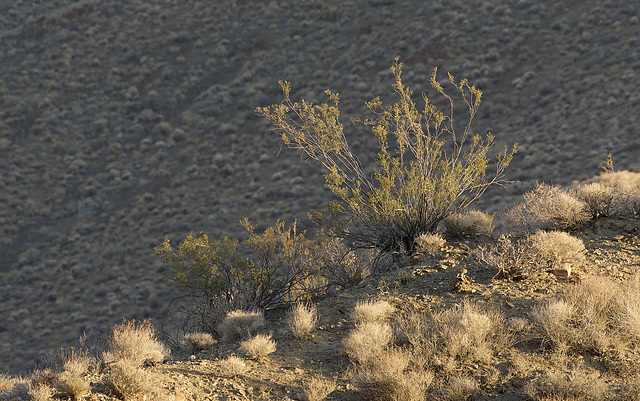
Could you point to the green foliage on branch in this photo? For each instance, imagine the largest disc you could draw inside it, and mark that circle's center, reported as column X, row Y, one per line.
column 425, row 169
column 225, row 274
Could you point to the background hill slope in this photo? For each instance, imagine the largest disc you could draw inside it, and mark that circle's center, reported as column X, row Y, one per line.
column 124, row 122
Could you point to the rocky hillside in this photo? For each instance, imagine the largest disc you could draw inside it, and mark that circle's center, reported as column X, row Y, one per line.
column 125, row 122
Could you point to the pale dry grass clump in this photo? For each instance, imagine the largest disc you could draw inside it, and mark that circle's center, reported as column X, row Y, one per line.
column 459, row 388
column 232, row 366
column 239, row 324
column 126, row 380
column 463, row 333
column 41, row 392
column 574, row 386
column 549, row 208
column 511, row 259
column 137, row 342
column 73, row 380
column 468, row 224
column 372, row 311
column 318, row 388
column 595, row 315
column 302, row 319
column 551, row 248
column 6, row 383
column 393, row 375
column 599, row 198
column 198, row 341
column 367, row 341
column 430, row 243
column 259, row 346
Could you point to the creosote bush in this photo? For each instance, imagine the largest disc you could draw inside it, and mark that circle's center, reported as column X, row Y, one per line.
column 240, row 324
column 302, row 319
column 425, row 168
column 218, row 277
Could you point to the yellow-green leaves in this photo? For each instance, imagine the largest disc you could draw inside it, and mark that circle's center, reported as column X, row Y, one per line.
column 425, row 170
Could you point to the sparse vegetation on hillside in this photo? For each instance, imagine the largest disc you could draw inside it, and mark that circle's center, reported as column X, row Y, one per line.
column 417, row 182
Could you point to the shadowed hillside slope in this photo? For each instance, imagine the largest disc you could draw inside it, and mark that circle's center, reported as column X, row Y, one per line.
column 125, row 122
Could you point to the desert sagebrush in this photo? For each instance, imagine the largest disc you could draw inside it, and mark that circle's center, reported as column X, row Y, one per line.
column 550, row 248
column 73, row 380
column 318, row 388
column 429, row 243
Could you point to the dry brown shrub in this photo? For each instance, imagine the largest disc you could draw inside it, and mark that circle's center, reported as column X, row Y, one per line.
column 551, row 248
column 73, row 380
column 302, row 319
column 198, row 341
column 510, row 259
column 598, row 198
column 549, row 208
column 6, row 382
column 137, row 342
column 387, row 376
column 367, row 341
column 468, row 224
column 259, row 346
column 40, row 393
column 342, row 266
column 463, row 333
column 318, row 388
column 595, row 315
column 126, row 380
column 429, row 243
column 574, row 386
column 240, row 324
column 372, row 311
column 459, row 388
column 232, row 366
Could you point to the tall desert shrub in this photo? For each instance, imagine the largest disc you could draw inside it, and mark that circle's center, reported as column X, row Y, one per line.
column 426, row 168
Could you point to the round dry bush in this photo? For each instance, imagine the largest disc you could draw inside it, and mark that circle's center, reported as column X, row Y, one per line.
column 302, row 319
column 430, row 243
column 126, row 380
column 367, row 341
column 137, row 341
column 41, row 392
column 198, row 341
column 598, row 198
column 549, row 208
column 460, row 388
column 386, row 377
column 240, row 324
column 318, row 388
column 550, row 248
column 469, row 224
column 259, row 346
column 232, row 366
column 372, row 311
